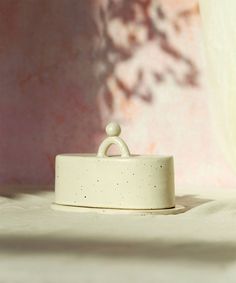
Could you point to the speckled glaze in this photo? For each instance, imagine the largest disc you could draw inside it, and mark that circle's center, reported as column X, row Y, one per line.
column 122, row 182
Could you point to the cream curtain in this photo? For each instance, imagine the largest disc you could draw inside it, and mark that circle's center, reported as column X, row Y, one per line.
column 219, row 28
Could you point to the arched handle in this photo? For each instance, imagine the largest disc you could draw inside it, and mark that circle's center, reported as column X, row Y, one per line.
column 113, row 130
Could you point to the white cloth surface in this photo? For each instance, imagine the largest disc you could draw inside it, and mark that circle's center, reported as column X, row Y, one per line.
column 38, row 244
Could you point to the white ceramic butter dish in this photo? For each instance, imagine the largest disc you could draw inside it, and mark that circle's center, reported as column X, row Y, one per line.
column 125, row 183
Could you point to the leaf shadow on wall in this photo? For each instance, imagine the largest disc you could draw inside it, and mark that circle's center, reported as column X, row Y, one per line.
column 121, row 44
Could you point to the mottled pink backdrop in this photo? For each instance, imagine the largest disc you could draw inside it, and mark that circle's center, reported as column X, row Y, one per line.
column 68, row 67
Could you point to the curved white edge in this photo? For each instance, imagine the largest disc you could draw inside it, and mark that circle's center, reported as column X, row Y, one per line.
column 81, row 209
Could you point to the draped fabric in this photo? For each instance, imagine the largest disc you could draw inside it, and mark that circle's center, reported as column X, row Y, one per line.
column 219, row 27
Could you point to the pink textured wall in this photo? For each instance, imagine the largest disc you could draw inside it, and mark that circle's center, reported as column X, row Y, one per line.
column 47, row 86
column 67, row 67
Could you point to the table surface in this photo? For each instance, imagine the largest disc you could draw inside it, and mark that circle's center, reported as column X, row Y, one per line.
column 38, row 244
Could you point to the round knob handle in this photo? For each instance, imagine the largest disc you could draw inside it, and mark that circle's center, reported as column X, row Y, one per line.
column 113, row 129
